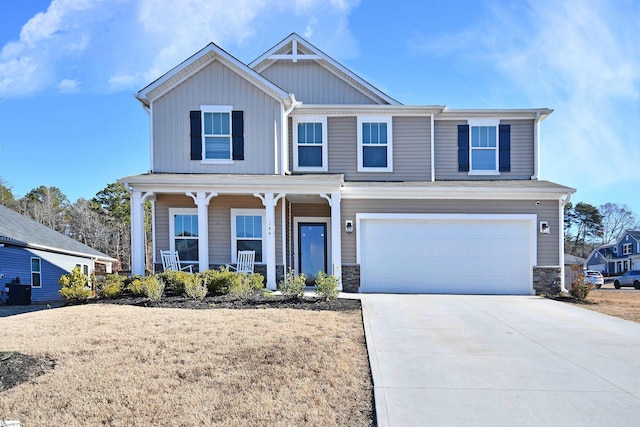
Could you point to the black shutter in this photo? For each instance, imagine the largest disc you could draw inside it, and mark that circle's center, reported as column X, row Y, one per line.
column 504, row 154
column 196, row 135
column 463, row 148
column 237, row 134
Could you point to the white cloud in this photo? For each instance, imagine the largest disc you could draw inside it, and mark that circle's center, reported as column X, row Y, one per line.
column 68, row 85
column 125, row 44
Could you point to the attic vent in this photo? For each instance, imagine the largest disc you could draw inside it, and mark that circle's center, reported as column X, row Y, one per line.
column 294, row 55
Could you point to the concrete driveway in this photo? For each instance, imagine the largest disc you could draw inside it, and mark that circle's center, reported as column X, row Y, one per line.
column 500, row 361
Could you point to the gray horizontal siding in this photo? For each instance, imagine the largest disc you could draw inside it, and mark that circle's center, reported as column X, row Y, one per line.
column 219, row 223
column 214, row 85
column 313, row 84
column 446, row 151
column 548, row 245
column 411, row 149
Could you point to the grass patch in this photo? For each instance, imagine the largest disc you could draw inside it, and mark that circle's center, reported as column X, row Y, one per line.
column 619, row 303
column 135, row 366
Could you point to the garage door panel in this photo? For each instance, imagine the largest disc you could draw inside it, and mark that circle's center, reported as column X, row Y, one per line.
column 445, row 256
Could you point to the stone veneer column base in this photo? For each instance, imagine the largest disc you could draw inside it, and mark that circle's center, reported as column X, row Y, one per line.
column 351, row 278
column 547, row 279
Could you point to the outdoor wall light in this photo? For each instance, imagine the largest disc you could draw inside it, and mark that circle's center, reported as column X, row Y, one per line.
column 348, row 226
column 544, row 227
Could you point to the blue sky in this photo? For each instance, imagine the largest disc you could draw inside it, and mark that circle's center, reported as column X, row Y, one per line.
column 69, row 69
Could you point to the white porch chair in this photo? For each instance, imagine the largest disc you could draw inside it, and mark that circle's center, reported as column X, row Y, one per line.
column 171, row 262
column 246, row 260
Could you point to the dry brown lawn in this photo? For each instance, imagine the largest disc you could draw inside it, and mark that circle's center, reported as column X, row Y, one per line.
column 619, row 303
column 133, row 366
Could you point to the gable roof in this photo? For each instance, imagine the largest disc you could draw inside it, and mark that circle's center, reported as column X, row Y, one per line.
column 296, row 48
column 198, row 61
column 634, row 233
column 18, row 230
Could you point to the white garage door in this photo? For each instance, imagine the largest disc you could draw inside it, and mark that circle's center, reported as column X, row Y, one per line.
column 467, row 254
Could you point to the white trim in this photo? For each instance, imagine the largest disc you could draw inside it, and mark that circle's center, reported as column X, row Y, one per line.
column 153, row 229
column 388, row 120
column 628, row 246
column 450, row 193
column 433, row 149
column 325, row 144
column 39, row 272
column 172, row 242
column 485, row 122
column 318, row 219
column 218, row 54
column 259, row 65
column 531, row 219
column 227, row 109
column 234, row 239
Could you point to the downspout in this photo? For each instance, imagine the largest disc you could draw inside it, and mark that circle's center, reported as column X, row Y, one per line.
column 284, row 236
column 563, row 203
column 536, row 147
column 284, row 169
column 433, row 157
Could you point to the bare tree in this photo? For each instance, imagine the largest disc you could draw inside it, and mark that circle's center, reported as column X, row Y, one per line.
column 616, row 219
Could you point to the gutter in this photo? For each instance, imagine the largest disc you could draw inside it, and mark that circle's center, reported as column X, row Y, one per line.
column 536, row 147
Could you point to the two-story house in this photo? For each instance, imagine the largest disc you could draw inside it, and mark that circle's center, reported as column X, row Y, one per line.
column 298, row 158
column 618, row 257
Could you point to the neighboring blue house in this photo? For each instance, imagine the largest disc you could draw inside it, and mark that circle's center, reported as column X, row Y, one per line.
column 39, row 255
column 618, row 257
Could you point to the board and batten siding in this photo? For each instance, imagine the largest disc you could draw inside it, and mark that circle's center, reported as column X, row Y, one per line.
column 446, row 151
column 16, row 262
column 411, row 149
column 215, row 84
column 548, row 244
column 219, row 223
column 314, row 84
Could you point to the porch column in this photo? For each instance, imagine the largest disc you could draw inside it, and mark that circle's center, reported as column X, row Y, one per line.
column 336, row 234
column 270, row 201
column 138, row 257
column 201, row 199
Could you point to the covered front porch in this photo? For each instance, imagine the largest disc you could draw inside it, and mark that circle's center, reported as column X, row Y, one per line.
column 291, row 222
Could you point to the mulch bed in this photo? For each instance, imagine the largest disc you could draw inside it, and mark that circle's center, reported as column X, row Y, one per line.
column 16, row 368
column 230, row 301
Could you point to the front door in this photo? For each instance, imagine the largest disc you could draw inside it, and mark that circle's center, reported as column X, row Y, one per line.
column 312, row 248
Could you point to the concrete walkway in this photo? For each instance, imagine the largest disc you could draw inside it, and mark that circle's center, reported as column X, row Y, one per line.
column 453, row 360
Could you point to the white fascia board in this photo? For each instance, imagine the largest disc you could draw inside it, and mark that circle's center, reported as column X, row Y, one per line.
column 258, row 62
column 223, row 56
column 67, row 252
column 368, row 109
column 450, row 193
column 504, row 114
column 261, row 184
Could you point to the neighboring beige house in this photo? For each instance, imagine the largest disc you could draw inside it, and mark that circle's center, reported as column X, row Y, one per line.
column 298, row 158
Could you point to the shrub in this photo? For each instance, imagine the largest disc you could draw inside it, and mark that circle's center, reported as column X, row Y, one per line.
column 217, row 281
column 177, row 280
column 244, row 285
column 579, row 289
column 135, row 284
column 327, row 286
column 112, row 286
column 153, row 288
column 75, row 286
column 196, row 288
column 293, row 285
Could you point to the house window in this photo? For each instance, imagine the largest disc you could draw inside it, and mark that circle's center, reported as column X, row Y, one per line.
column 484, row 147
column 183, row 233
column 627, row 249
column 310, row 144
column 216, row 133
column 247, row 230
column 36, row 273
column 375, row 145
